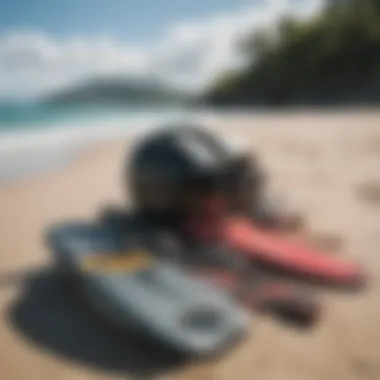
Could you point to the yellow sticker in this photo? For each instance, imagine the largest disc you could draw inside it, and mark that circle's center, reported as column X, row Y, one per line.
column 131, row 261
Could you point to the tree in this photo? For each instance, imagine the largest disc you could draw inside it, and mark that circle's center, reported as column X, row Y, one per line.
column 332, row 57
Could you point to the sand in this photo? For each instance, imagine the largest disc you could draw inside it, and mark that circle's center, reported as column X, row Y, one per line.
column 327, row 164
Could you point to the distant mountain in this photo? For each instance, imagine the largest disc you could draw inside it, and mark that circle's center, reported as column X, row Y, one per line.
column 117, row 91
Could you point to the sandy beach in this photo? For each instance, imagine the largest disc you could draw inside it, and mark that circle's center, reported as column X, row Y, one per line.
column 328, row 164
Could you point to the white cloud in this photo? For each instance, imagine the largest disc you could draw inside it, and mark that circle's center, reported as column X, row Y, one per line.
column 188, row 54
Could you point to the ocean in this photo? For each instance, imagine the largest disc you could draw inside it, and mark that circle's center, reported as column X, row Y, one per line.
column 36, row 138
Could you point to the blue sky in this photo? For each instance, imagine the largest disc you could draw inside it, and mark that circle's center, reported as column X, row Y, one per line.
column 49, row 44
column 137, row 20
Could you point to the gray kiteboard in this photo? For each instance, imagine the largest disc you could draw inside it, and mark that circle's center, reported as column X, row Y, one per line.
column 134, row 289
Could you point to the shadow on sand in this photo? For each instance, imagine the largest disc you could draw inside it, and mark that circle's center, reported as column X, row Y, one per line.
column 50, row 316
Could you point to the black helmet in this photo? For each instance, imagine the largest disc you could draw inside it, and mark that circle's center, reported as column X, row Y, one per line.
column 174, row 169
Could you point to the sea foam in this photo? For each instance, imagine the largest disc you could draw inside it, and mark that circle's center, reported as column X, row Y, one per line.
column 36, row 150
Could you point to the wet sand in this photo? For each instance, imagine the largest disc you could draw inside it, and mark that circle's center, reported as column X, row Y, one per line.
column 327, row 164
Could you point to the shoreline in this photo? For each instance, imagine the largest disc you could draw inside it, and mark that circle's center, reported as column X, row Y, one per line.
column 22, row 155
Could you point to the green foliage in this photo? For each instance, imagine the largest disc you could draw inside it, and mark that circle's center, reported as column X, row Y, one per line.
column 334, row 57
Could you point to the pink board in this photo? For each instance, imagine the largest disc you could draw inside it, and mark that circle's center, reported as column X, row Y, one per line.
column 274, row 250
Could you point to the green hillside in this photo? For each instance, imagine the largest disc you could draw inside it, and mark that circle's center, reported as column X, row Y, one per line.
column 333, row 58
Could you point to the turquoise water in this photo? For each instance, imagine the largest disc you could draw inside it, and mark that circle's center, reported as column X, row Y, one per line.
column 26, row 116
column 37, row 137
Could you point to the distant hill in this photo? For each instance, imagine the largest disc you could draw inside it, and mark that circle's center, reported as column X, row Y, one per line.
column 117, row 91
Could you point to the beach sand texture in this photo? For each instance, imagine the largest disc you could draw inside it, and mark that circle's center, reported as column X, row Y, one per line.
column 328, row 164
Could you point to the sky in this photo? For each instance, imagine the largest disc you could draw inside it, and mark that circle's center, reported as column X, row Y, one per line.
column 49, row 44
